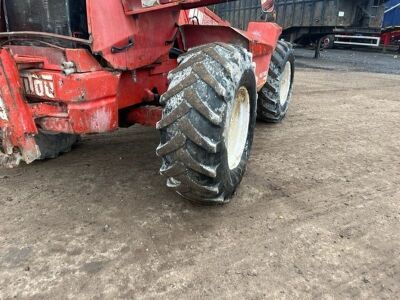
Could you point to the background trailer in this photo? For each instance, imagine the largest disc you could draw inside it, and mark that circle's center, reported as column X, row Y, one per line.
column 354, row 22
column 391, row 24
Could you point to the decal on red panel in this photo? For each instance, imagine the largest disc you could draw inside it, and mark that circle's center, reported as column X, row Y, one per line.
column 38, row 85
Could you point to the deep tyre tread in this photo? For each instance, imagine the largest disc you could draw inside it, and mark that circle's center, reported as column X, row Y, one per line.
column 270, row 108
column 53, row 145
column 192, row 148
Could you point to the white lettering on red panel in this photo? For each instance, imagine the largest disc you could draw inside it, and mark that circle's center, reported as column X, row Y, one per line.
column 38, row 85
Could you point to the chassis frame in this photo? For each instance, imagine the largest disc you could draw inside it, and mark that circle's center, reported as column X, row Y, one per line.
column 116, row 78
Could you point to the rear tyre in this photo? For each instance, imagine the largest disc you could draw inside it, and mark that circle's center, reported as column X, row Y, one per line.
column 328, row 42
column 53, row 145
column 208, row 122
column 275, row 96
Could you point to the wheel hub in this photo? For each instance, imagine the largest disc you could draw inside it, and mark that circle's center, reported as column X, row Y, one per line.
column 238, row 127
column 285, row 83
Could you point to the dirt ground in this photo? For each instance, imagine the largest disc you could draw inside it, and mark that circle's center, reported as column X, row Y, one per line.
column 362, row 59
column 317, row 215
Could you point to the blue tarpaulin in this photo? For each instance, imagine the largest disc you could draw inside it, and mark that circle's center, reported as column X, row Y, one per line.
column 392, row 14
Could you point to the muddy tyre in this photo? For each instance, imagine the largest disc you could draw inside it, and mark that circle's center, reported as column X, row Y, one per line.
column 208, row 122
column 275, row 96
column 53, row 145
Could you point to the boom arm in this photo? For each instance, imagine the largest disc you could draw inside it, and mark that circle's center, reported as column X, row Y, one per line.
column 140, row 5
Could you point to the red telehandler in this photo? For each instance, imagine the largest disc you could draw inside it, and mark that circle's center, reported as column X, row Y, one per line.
column 74, row 67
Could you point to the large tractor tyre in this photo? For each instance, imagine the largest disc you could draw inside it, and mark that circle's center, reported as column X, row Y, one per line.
column 53, row 145
column 207, row 128
column 274, row 98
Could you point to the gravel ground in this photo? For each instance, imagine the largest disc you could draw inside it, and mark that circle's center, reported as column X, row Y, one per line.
column 361, row 60
column 317, row 215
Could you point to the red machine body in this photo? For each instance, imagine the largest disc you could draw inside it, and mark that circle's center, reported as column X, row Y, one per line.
column 115, row 79
column 390, row 36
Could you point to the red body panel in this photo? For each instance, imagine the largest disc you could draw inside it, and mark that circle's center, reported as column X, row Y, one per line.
column 72, row 91
column 390, row 36
column 149, row 33
column 16, row 119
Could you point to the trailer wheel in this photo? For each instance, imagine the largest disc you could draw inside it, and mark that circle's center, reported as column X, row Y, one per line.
column 328, row 42
column 274, row 98
column 208, row 122
column 52, row 145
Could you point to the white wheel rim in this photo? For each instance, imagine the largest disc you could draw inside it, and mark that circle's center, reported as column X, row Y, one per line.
column 327, row 42
column 238, row 127
column 286, row 81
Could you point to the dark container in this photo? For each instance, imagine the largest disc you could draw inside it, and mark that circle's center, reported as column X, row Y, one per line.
column 308, row 19
column 239, row 13
column 65, row 17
